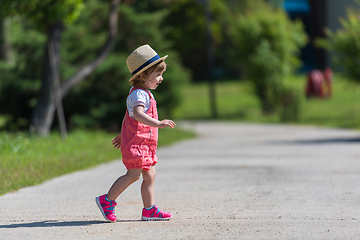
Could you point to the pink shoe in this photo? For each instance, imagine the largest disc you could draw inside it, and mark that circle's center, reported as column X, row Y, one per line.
column 154, row 214
column 107, row 208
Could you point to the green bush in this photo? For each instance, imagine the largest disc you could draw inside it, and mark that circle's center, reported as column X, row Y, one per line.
column 20, row 78
column 185, row 26
column 267, row 44
column 344, row 45
column 99, row 100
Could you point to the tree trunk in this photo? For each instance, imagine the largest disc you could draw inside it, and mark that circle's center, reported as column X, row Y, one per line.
column 43, row 114
column 262, row 92
column 89, row 68
column 318, row 18
column 56, row 86
column 210, row 56
column 4, row 45
column 266, row 106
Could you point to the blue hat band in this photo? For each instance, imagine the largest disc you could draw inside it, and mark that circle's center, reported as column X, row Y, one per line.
column 151, row 60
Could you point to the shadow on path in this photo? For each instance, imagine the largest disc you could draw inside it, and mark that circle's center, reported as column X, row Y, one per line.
column 321, row 141
column 55, row 223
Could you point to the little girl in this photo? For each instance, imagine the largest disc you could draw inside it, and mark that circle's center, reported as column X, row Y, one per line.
column 139, row 135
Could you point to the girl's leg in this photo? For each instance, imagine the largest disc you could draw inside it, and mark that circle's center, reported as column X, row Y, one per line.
column 123, row 182
column 147, row 187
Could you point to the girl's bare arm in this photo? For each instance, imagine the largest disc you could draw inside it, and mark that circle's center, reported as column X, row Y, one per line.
column 142, row 117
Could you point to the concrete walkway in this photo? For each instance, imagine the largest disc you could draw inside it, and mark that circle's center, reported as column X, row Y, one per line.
column 235, row 181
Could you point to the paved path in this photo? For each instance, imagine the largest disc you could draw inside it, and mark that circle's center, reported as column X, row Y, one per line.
column 235, row 181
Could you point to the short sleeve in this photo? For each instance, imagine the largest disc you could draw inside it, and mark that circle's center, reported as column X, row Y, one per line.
column 138, row 97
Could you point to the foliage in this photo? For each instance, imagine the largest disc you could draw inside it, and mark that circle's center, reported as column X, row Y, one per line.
column 43, row 12
column 344, row 44
column 185, row 27
column 20, row 78
column 183, row 24
column 27, row 160
column 267, row 43
column 98, row 101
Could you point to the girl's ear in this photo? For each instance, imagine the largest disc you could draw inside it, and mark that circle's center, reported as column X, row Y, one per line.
column 142, row 76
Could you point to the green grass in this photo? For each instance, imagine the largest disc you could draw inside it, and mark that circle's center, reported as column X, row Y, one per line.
column 235, row 101
column 29, row 160
column 342, row 110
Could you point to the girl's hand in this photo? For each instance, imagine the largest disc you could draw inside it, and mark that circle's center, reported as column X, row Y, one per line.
column 167, row 123
column 117, row 141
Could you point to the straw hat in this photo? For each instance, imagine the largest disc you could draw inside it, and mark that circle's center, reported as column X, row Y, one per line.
column 141, row 59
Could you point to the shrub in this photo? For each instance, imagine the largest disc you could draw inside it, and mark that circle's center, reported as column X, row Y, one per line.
column 20, row 79
column 99, row 100
column 266, row 44
column 344, row 45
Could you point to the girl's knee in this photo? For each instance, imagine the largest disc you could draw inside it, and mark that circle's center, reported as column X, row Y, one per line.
column 149, row 175
column 134, row 174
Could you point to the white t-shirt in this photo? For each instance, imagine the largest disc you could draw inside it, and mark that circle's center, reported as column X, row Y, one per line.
column 138, row 97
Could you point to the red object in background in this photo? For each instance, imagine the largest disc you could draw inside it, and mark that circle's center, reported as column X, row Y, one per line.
column 319, row 83
column 328, row 75
column 315, row 80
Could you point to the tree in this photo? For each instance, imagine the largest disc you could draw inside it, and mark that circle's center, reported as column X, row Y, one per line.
column 4, row 48
column 344, row 44
column 187, row 25
column 52, row 16
column 267, row 44
column 98, row 101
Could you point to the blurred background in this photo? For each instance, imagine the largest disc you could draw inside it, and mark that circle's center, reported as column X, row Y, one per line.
column 228, row 59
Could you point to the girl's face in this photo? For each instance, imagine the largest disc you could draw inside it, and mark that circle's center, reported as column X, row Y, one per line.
column 153, row 80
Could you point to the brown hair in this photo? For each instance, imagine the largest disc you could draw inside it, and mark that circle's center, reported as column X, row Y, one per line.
column 140, row 79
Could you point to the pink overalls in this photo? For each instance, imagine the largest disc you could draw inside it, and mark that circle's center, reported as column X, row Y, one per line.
column 139, row 141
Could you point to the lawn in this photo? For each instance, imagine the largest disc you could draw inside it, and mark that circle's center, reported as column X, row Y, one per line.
column 29, row 160
column 236, row 102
